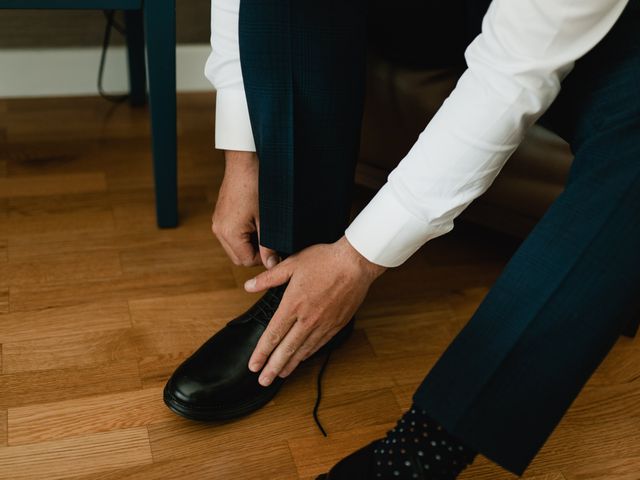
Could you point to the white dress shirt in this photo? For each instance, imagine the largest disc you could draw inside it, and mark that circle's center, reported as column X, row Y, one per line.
column 515, row 67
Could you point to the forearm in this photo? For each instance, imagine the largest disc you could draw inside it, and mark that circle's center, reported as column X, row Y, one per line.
column 515, row 69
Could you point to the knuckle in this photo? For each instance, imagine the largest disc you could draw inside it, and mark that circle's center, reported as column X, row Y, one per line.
column 273, row 337
column 227, row 232
column 222, row 231
column 269, row 372
column 289, row 350
column 307, row 321
column 248, row 261
column 304, row 350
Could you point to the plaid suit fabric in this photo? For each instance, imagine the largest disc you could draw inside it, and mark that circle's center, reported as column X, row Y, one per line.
column 563, row 299
column 303, row 65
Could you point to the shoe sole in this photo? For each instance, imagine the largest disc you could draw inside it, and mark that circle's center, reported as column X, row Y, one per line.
column 217, row 414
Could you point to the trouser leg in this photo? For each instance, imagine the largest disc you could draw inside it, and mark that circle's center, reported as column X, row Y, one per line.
column 303, row 65
column 564, row 298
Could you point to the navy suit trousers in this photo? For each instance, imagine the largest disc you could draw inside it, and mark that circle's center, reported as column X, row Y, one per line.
column 569, row 291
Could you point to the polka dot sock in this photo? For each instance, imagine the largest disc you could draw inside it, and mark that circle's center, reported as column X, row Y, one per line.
column 419, row 448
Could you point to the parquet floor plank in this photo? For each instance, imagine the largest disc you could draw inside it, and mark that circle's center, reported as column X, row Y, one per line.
column 271, row 462
column 98, row 306
column 46, row 185
column 47, row 386
column 127, row 286
column 60, row 268
column 3, row 428
column 72, row 457
column 58, row 214
column 69, row 351
column 61, row 321
column 4, row 250
column 77, row 417
column 4, row 299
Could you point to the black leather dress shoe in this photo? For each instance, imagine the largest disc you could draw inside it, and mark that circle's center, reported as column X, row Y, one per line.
column 215, row 382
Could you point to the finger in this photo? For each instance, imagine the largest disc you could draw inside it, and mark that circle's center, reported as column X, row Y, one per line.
column 304, row 352
column 322, row 342
column 278, row 327
column 278, row 275
column 229, row 251
column 239, row 255
column 283, row 353
column 244, row 250
column 269, row 257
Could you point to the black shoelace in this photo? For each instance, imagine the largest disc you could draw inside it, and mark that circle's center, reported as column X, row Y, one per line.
column 323, row 367
column 270, row 301
column 267, row 307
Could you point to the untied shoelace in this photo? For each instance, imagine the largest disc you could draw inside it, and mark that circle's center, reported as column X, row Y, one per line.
column 323, row 367
column 268, row 307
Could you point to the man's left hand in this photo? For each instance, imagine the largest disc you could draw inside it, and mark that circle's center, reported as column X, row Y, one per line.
column 327, row 284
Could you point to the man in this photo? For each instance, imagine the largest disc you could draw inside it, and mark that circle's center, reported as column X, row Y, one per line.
column 289, row 75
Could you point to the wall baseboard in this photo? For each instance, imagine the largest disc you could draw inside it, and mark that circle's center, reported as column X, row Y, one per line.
column 74, row 71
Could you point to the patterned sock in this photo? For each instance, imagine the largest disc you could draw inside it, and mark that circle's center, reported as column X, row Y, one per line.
column 419, row 448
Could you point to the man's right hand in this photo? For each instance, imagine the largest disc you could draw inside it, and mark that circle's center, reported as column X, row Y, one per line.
column 236, row 220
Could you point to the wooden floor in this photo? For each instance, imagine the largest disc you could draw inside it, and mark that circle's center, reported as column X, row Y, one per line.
column 97, row 307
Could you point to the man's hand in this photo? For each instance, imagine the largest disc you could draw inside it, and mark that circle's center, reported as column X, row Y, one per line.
column 236, row 220
column 327, row 284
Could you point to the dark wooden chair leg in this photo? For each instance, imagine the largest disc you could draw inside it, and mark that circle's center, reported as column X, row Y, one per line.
column 134, row 24
column 160, row 33
column 631, row 329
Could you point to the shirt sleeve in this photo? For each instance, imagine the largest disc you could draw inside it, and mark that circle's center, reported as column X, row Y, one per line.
column 515, row 67
column 233, row 128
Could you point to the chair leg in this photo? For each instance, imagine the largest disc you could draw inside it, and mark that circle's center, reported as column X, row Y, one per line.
column 631, row 329
column 160, row 32
column 134, row 26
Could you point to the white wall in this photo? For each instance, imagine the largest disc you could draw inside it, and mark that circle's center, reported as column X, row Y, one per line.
column 74, row 71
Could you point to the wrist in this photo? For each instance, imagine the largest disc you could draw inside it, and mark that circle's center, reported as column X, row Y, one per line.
column 372, row 270
column 237, row 159
column 240, row 163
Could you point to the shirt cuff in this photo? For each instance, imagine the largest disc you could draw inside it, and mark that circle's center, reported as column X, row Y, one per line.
column 233, row 127
column 386, row 233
